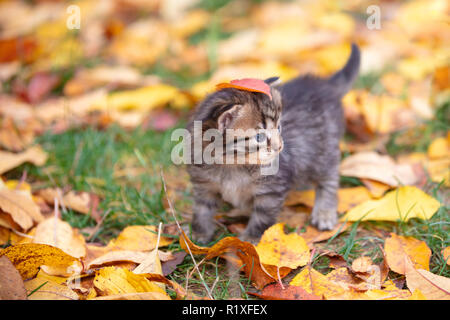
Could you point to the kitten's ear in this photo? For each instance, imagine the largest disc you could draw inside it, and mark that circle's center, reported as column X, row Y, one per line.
column 227, row 118
column 272, row 81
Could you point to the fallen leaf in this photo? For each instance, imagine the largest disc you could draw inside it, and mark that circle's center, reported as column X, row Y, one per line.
column 362, row 264
column 113, row 281
column 282, row 250
column 313, row 235
column 377, row 189
column 403, row 204
column 138, row 238
column 170, row 265
column 432, row 286
column 380, row 168
column 11, row 284
column 27, row 258
column 135, row 296
column 446, row 254
column 41, row 288
column 439, row 148
column 399, row 247
column 248, row 84
column 316, row 283
column 55, row 232
column 21, row 208
column 287, row 292
column 9, row 160
column 347, row 198
column 246, row 252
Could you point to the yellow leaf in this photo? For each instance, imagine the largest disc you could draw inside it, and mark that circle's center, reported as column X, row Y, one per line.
column 144, row 99
column 60, row 234
column 316, row 283
column 402, row 204
column 46, row 289
column 27, row 258
column 439, row 148
column 113, row 281
column 417, row 295
column 134, row 296
column 282, row 250
column 347, row 197
column 399, row 247
column 138, row 238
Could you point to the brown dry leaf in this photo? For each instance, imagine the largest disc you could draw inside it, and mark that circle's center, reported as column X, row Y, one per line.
column 287, row 292
column 55, row 232
column 113, row 281
column 282, row 250
column 27, row 258
column 434, row 287
column 313, row 235
column 402, row 204
column 246, row 251
column 138, row 238
column 170, row 265
column 347, row 198
column 82, row 202
column 9, row 160
column 20, row 207
column 11, row 284
column 362, row 264
column 399, row 247
column 377, row 167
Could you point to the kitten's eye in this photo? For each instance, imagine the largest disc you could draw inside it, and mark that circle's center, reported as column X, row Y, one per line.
column 260, row 137
column 279, row 128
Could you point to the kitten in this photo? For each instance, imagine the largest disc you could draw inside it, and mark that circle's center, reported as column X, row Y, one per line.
column 305, row 120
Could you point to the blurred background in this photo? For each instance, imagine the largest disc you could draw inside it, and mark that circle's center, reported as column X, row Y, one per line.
column 98, row 85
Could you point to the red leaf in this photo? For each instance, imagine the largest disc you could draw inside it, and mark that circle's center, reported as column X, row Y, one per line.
column 248, row 84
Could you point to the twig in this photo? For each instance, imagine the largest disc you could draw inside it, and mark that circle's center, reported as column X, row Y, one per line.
column 208, row 291
column 93, row 233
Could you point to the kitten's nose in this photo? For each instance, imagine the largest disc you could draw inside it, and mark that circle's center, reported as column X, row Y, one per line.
column 276, row 143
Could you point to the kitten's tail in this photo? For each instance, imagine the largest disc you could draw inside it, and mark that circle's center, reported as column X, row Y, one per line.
column 342, row 80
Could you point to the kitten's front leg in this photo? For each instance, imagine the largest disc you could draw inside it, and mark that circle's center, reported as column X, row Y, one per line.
column 205, row 206
column 324, row 214
column 266, row 208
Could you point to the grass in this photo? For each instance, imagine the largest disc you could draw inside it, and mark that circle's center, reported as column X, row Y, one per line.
column 123, row 168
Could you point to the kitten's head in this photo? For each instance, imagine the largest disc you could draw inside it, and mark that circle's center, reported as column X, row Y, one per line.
column 250, row 122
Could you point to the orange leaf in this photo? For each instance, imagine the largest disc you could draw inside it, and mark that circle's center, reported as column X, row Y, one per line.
column 397, row 247
column 248, row 84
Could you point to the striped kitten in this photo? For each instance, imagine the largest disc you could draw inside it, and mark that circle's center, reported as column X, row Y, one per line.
column 308, row 110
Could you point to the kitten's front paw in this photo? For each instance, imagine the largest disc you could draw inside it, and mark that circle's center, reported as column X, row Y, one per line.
column 324, row 219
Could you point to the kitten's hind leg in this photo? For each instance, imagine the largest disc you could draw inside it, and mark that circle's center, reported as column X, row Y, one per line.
column 324, row 214
column 205, row 206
